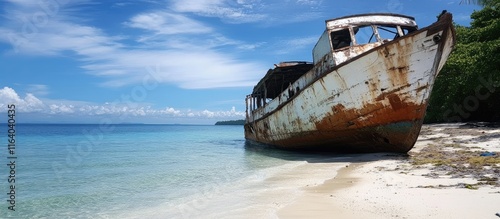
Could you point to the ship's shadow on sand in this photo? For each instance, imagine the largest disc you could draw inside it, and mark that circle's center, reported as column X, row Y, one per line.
column 318, row 156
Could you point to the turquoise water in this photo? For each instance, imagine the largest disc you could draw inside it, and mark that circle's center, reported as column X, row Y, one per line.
column 134, row 171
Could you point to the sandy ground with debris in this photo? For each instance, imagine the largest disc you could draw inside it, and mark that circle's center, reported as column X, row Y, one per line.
column 452, row 172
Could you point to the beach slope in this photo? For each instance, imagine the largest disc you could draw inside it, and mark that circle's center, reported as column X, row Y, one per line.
column 452, row 172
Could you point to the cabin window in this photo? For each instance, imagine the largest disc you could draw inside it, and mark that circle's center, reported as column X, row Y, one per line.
column 393, row 32
column 375, row 33
column 388, row 33
column 364, row 35
column 340, row 39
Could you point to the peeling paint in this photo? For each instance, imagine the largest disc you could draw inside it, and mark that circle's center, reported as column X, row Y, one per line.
column 362, row 97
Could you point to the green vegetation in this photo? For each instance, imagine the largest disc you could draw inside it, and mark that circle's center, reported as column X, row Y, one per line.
column 468, row 86
column 231, row 122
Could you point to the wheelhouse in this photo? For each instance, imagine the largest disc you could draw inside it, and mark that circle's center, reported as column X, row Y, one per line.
column 347, row 37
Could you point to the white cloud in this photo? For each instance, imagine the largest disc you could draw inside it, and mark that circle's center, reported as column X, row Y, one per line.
column 288, row 45
column 302, row 42
column 190, row 61
column 27, row 104
column 61, row 108
column 38, row 89
column 170, row 111
column 119, row 111
column 190, row 57
column 252, row 11
column 230, row 11
column 167, row 23
column 190, row 69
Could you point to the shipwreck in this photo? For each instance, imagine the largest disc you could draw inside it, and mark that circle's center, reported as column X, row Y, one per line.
column 366, row 90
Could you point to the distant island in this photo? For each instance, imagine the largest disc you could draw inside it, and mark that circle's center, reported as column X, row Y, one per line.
column 231, row 122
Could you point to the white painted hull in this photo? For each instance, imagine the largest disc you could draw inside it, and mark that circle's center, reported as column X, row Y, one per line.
column 373, row 102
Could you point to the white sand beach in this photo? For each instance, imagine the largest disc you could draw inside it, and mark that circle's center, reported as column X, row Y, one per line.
column 444, row 176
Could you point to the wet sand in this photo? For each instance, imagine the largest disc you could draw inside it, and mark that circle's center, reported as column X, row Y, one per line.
column 448, row 174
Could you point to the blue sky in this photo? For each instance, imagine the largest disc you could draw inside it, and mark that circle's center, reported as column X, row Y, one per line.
column 162, row 61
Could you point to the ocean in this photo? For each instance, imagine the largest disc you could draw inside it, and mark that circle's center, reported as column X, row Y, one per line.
column 145, row 171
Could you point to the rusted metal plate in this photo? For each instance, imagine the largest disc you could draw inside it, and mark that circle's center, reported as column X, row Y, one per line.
column 374, row 100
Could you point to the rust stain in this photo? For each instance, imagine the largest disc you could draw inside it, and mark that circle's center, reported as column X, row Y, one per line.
column 345, row 128
column 394, row 59
column 395, row 102
column 372, row 114
column 341, row 125
column 366, row 124
column 388, row 121
column 390, row 92
column 420, row 89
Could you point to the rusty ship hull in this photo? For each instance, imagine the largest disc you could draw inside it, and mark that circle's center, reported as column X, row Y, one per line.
column 361, row 98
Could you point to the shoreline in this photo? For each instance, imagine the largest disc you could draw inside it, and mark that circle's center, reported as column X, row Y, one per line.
column 316, row 202
column 408, row 187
